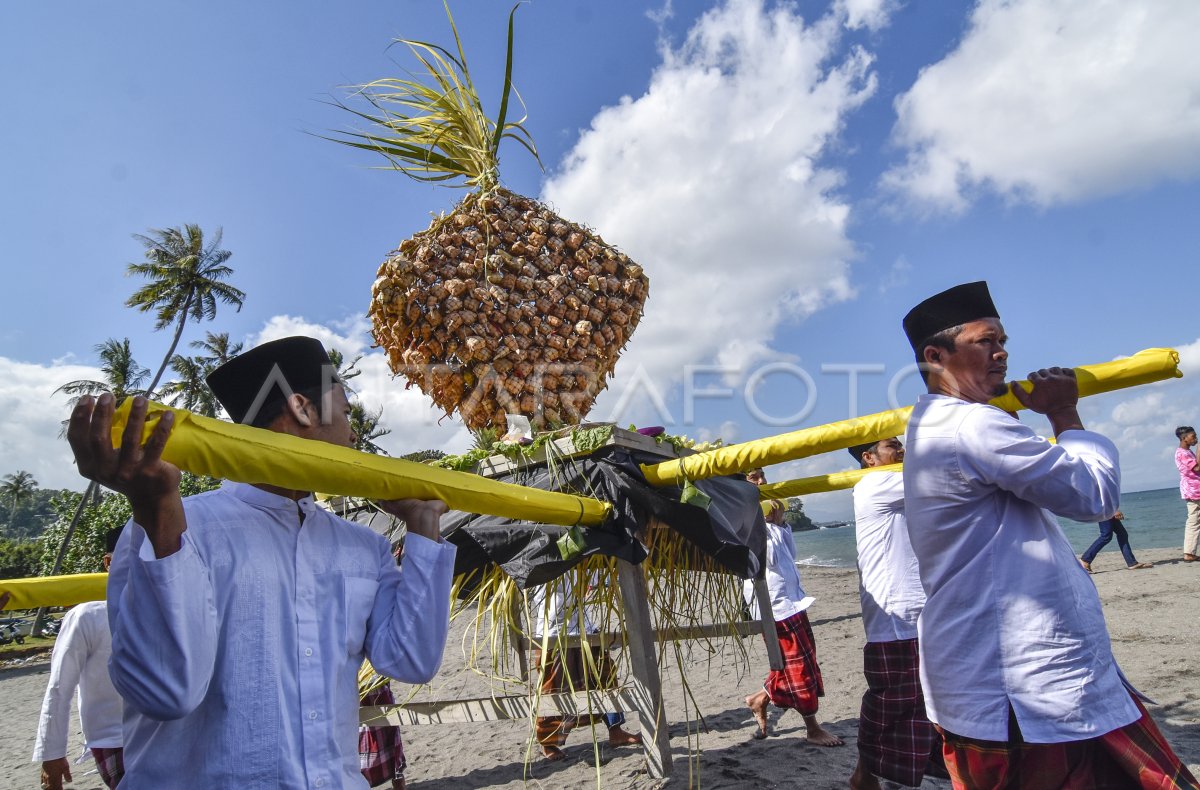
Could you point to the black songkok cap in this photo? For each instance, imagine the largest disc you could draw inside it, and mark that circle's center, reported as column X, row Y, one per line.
column 268, row 373
column 957, row 305
column 110, row 539
column 856, row 452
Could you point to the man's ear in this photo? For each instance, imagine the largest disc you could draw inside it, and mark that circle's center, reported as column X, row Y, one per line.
column 933, row 355
column 302, row 410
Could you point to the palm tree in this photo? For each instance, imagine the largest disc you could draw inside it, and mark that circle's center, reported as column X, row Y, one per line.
column 123, row 376
column 218, row 349
column 345, row 371
column 367, row 428
column 18, row 487
column 190, row 390
column 185, row 281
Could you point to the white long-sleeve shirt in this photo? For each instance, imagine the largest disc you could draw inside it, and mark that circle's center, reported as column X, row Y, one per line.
column 889, row 581
column 783, row 579
column 80, row 661
column 1010, row 617
column 238, row 655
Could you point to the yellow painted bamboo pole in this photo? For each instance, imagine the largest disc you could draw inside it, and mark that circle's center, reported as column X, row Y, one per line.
column 54, row 590
column 1144, row 367
column 819, row 484
column 205, row 446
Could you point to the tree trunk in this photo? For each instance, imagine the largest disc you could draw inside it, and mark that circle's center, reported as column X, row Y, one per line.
column 183, row 316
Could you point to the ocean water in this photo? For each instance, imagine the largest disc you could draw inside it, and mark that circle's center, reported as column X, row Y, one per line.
column 1154, row 520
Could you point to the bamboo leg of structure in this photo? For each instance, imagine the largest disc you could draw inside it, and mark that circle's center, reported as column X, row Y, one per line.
column 647, row 683
column 514, row 636
column 767, row 618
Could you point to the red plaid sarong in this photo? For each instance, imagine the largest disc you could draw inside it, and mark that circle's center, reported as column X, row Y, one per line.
column 799, row 683
column 1132, row 757
column 380, row 749
column 896, row 740
column 110, row 762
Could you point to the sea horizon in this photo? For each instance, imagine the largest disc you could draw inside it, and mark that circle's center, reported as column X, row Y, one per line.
column 1153, row 517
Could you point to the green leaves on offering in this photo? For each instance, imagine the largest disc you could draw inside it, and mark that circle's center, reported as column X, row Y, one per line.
column 694, row 496
column 571, row 544
column 588, row 440
column 433, row 127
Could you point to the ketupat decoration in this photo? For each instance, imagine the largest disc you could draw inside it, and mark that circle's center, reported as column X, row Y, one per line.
column 500, row 306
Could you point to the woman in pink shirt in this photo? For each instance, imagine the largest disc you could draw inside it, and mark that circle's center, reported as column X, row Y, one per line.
column 1189, row 489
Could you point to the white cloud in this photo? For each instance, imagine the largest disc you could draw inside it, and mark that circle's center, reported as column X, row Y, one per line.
column 416, row 424
column 713, row 181
column 1142, row 422
column 871, row 14
column 31, row 417
column 897, row 275
column 1053, row 102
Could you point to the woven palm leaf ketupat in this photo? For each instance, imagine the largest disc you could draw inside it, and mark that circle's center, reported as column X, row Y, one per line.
column 502, row 306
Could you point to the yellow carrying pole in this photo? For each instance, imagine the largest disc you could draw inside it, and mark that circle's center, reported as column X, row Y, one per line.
column 819, row 484
column 1144, row 367
column 54, row 590
column 204, row 446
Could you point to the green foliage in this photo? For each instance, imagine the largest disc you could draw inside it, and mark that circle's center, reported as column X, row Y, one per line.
column 424, row 456
column 31, row 515
column 589, row 440
column 18, row 558
column 795, row 516
column 437, row 129
column 184, row 281
column 87, row 545
column 367, row 428
column 123, row 376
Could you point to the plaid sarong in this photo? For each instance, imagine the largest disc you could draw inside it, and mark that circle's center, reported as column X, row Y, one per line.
column 896, row 740
column 110, row 762
column 380, row 749
column 1134, row 756
column 799, row 683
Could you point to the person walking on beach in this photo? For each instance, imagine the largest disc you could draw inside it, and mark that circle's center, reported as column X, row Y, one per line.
column 896, row 740
column 1016, row 663
column 80, row 662
column 1108, row 528
column 557, row 613
column 240, row 617
column 798, row 685
column 1189, row 489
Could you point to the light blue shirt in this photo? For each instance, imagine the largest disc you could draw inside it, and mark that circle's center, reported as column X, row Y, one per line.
column 1010, row 617
column 238, row 655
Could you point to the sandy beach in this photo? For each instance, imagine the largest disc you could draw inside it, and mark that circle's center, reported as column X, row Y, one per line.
column 1150, row 616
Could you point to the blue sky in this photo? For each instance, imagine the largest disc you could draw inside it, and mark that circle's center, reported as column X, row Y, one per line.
column 792, row 176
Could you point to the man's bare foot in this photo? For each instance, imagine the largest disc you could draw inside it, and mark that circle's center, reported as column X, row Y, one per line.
column 552, row 753
column 1087, row 566
column 618, row 737
column 757, row 703
column 398, row 783
column 819, row 735
column 862, row 779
